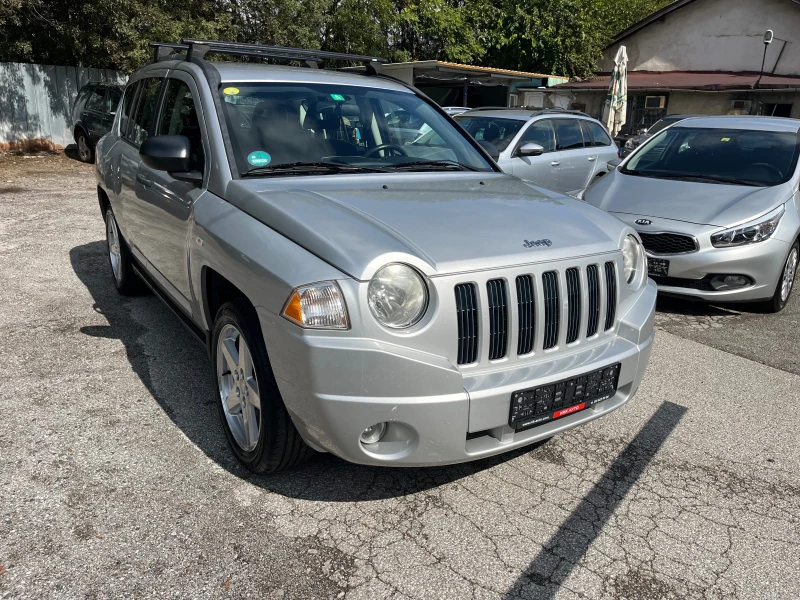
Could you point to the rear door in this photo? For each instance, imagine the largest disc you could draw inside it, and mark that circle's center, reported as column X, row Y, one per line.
column 604, row 147
column 131, row 180
column 576, row 160
column 92, row 116
column 110, row 104
column 542, row 170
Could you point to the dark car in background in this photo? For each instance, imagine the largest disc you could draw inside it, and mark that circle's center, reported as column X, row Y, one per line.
column 93, row 115
column 632, row 143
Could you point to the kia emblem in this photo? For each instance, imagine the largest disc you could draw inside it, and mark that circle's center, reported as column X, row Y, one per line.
column 643, row 222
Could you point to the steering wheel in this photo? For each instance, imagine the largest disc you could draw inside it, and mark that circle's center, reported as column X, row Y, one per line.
column 771, row 168
column 376, row 149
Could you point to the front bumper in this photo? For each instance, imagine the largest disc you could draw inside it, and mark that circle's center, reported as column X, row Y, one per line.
column 762, row 263
column 335, row 387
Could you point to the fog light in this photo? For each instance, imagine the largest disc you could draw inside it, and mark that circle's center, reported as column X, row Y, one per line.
column 729, row 282
column 373, row 433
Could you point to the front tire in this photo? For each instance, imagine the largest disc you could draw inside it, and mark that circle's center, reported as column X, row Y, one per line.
column 256, row 423
column 783, row 290
column 85, row 150
column 120, row 260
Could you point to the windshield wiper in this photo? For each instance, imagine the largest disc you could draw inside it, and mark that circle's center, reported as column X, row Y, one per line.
column 426, row 164
column 693, row 177
column 310, row 168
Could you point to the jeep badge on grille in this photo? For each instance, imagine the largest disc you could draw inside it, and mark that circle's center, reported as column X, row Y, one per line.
column 537, row 243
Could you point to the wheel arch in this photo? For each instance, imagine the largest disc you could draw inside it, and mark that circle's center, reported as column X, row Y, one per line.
column 103, row 199
column 216, row 290
column 79, row 128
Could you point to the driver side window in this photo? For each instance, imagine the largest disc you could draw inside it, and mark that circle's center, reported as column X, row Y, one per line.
column 542, row 133
column 179, row 117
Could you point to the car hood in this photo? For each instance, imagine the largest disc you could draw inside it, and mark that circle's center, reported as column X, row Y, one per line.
column 441, row 223
column 702, row 203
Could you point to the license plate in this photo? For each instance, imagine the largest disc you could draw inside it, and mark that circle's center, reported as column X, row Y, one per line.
column 546, row 403
column 657, row 266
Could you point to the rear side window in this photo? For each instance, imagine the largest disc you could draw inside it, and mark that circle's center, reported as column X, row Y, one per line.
column 96, row 100
column 145, row 110
column 112, row 100
column 596, row 134
column 542, row 133
column 179, row 117
column 568, row 134
column 127, row 105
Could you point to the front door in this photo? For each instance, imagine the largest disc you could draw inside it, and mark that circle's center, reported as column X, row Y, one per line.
column 542, row 170
column 166, row 203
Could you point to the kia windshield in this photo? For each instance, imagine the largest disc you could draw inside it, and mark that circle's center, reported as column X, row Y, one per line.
column 717, row 156
column 313, row 129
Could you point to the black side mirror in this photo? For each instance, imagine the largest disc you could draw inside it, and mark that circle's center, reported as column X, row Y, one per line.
column 490, row 148
column 530, row 149
column 613, row 164
column 170, row 153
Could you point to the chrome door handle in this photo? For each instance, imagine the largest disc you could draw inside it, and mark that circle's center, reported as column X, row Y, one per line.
column 555, row 163
column 592, row 158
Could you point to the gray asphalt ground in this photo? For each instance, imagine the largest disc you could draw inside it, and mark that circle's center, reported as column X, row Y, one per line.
column 115, row 478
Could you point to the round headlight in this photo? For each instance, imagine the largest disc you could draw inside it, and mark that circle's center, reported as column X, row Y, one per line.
column 397, row 296
column 631, row 257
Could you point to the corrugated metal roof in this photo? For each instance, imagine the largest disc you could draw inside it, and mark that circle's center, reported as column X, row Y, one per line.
column 687, row 80
column 435, row 64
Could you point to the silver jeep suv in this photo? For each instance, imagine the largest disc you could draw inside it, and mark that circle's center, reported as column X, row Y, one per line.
column 393, row 304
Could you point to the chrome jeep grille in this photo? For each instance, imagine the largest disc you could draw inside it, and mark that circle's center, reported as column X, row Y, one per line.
column 467, row 311
column 498, row 318
column 539, row 312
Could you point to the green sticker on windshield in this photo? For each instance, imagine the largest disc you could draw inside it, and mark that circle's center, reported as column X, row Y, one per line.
column 259, row 158
column 337, row 97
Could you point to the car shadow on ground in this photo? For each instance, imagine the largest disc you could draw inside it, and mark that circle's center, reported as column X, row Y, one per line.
column 71, row 151
column 176, row 371
column 694, row 308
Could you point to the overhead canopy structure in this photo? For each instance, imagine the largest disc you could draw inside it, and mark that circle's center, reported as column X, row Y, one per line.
column 454, row 84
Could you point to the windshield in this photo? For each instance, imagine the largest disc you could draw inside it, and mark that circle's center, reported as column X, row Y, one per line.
column 310, row 128
column 721, row 156
column 496, row 131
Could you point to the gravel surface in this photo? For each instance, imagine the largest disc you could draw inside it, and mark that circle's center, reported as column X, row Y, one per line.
column 116, row 481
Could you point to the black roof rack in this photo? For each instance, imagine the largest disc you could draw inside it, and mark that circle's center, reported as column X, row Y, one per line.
column 197, row 48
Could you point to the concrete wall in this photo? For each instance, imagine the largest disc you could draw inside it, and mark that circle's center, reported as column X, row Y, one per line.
column 36, row 100
column 716, row 35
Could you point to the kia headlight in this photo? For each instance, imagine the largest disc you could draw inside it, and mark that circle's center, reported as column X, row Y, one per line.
column 397, row 296
column 632, row 258
column 756, row 231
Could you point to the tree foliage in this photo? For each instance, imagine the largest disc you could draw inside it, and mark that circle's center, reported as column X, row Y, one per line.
column 564, row 37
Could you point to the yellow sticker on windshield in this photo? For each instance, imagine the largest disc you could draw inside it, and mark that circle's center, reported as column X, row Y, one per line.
column 726, row 139
column 231, row 91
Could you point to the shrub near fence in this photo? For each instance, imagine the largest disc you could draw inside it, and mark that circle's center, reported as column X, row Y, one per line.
column 36, row 102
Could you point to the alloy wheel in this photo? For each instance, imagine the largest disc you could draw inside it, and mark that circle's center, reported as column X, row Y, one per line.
column 789, row 271
column 238, row 388
column 114, row 250
column 83, row 148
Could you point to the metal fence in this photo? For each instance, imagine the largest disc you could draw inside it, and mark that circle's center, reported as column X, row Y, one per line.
column 36, row 100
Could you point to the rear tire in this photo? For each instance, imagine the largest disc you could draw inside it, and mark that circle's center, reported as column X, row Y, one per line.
column 85, row 150
column 258, row 427
column 783, row 290
column 120, row 260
